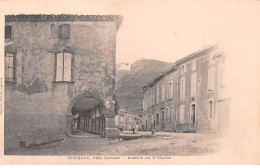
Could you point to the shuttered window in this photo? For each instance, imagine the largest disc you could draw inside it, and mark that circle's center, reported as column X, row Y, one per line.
column 170, row 90
column 63, row 67
column 157, row 96
column 182, row 94
column 8, row 32
column 163, row 93
column 182, row 114
column 193, row 65
column 9, row 67
column 211, row 79
column 193, row 84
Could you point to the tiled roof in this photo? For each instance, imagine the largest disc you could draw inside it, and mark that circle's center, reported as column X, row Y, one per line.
column 47, row 18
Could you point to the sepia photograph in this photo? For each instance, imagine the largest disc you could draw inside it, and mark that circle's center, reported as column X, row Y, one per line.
column 128, row 81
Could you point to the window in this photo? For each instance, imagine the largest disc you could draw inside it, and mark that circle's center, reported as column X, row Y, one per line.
column 153, row 98
column 193, row 114
column 211, row 79
column 8, row 32
column 157, row 96
column 193, row 84
column 182, row 87
column 152, row 120
column 157, row 119
column 9, row 67
column 64, row 31
column 183, row 69
column 182, row 114
column 163, row 93
column 171, row 89
column 167, row 92
column 193, row 65
column 63, row 67
column 172, row 115
column 167, row 115
column 211, row 109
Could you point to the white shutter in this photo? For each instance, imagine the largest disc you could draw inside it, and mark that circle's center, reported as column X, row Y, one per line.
column 193, row 66
column 172, row 111
column 10, row 66
column 163, row 90
column 183, row 87
column 182, row 114
column 59, row 67
column 193, row 84
column 213, row 109
column 211, row 79
column 67, row 67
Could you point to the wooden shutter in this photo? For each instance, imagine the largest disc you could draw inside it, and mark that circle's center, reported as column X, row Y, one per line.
column 9, row 67
column 59, row 67
column 193, row 84
column 182, row 114
column 67, row 67
column 211, row 79
column 183, row 88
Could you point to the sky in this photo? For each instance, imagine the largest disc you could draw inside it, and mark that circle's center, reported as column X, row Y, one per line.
column 165, row 30
column 169, row 30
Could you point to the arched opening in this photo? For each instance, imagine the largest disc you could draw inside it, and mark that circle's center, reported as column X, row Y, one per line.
column 86, row 114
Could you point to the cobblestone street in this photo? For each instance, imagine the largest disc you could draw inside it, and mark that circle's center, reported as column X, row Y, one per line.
column 160, row 144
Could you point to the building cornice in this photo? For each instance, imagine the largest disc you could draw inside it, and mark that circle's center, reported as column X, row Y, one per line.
column 59, row 18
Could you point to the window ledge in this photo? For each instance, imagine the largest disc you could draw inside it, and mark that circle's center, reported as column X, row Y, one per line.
column 8, row 40
column 63, row 82
column 11, row 82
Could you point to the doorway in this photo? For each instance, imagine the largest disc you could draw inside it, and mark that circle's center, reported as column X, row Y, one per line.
column 87, row 116
column 193, row 114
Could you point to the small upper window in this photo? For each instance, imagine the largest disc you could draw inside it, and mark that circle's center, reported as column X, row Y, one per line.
column 193, row 65
column 183, row 69
column 64, row 31
column 211, row 78
column 8, row 32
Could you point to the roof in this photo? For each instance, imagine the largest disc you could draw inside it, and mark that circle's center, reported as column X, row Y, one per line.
column 47, row 18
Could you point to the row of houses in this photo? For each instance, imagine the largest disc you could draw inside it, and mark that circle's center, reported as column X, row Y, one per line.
column 192, row 96
column 127, row 121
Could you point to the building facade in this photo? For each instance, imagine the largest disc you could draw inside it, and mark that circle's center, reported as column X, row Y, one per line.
column 126, row 121
column 191, row 97
column 59, row 76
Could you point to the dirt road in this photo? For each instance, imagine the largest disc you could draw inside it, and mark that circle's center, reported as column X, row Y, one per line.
column 162, row 143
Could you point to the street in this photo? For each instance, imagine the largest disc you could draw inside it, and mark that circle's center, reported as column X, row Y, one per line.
column 160, row 144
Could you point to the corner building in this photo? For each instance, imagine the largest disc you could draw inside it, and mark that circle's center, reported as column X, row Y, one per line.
column 191, row 97
column 59, row 76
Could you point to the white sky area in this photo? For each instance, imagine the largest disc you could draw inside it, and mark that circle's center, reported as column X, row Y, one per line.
column 165, row 30
column 170, row 30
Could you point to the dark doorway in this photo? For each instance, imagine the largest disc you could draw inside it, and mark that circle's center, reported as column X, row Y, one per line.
column 163, row 120
column 87, row 116
column 193, row 110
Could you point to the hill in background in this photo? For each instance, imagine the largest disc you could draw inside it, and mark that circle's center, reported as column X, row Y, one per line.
column 129, row 83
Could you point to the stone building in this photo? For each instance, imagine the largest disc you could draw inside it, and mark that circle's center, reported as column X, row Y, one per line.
column 59, row 76
column 192, row 96
column 128, row 121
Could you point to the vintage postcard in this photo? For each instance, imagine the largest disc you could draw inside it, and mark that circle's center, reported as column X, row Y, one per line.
column 130, row 82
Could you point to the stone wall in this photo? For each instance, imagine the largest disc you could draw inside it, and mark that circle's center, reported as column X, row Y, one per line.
column 36, row 107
